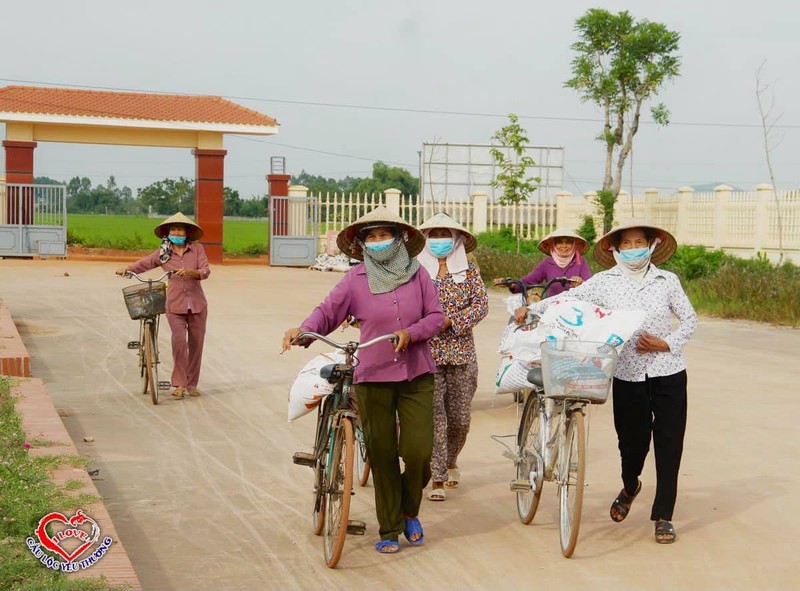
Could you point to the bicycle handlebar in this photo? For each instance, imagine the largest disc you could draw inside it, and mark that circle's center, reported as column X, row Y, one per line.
column 509, row 283
column 350, row 345
column 135, row 276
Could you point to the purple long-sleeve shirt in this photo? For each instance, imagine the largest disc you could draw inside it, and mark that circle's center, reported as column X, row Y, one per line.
column 548, row 269
column 413, row 306
column 184, row 294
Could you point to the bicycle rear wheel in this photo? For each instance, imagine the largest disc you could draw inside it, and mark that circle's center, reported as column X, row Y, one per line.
column 572, row 462
column 531, row 466
column 338, row 493
column 150, row 358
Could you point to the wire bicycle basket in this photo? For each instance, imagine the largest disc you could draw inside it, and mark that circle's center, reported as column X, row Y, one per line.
column 145, row 299
column 580, row 370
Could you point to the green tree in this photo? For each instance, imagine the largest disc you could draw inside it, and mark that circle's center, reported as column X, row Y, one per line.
column 168, row 196
column 619, row 64
column 319, row 185
column 388, row 177
column 513, row 163
column 232, row 202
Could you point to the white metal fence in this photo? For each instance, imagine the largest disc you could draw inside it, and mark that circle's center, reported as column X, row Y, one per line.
column 33, row 219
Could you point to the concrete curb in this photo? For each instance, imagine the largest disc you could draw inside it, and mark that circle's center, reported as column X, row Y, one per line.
column 41, row 422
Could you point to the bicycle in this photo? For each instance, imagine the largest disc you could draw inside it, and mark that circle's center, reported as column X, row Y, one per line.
column 146, row 304
column 337, row 433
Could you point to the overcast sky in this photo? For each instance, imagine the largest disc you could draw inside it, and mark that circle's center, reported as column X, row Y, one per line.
column 466, row 56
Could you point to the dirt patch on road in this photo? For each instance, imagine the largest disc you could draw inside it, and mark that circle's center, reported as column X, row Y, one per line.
column 82, row 253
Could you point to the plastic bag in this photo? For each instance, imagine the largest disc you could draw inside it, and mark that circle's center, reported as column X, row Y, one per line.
column 569, row 318
column 309, row 388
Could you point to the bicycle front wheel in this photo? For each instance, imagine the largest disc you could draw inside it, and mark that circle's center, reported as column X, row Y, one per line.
column 531, row 465
column 572, row 460
column 150, row 357
column 362, row 462
column 339, row 491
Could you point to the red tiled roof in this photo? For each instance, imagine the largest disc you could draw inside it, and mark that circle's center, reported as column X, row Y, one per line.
column 128, row 105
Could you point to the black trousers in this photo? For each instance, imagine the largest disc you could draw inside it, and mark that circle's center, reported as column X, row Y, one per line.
column 654, row 408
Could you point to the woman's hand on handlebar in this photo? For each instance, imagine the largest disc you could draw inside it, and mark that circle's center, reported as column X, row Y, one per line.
column 501, row 281
column 520, row 314
column 289, row 336
column 576, row 280
column 403, row 340
column 122, row 271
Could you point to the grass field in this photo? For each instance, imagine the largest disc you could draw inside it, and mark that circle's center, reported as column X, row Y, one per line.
column 136, row 233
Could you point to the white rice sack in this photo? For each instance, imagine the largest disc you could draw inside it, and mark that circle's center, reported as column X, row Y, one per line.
column 576, row 319
column 309, row 388
column 512, row 375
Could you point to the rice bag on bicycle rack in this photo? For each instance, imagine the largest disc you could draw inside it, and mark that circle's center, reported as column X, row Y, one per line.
column 309, row 388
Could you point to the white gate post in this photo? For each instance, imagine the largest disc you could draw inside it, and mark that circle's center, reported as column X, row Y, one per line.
column 564, row 210
column 763, row 197
column 479, row 218
column 685, row 196
column 722, row 195
column 650, row 201
column 393, row 200
column 296, row 222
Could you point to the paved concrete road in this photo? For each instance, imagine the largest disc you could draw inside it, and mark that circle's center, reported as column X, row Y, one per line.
column 205, row 496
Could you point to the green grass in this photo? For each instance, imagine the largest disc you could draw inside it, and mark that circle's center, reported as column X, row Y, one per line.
column 26, row 494
column 122, row 232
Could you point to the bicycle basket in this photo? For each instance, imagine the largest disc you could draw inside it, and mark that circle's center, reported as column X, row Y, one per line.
column 578, row 370
column 145, row 299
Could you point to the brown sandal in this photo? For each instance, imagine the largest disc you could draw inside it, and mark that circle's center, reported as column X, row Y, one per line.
column 622, row 504
column 665, row 532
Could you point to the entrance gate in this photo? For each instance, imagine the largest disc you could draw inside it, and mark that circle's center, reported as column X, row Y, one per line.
column 33, row 220
column 293, row 231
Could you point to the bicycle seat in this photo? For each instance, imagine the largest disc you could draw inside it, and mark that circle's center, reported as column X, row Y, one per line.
column 535, row 377
column 329, row 373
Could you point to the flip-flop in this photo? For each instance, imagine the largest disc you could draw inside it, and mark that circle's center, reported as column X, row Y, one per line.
column 413, row 526
column 622, row 504
column 437, row 494
column 387, row 547
column 453, row 476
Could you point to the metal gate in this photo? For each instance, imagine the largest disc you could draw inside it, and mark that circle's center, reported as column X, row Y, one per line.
column 293, row 231
column 33, row 220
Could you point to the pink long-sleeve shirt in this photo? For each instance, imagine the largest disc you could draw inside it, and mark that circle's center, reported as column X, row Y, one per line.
column 184, row 294
column 413, row 306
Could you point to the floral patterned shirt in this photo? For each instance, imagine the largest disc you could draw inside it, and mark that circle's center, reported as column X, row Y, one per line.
column 465, row 304
column 661, row 295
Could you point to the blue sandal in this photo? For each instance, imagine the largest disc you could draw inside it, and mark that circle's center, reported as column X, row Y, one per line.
column 413, row 526
column 388, row 547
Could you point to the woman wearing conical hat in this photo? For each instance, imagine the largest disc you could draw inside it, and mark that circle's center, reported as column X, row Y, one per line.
column 650, row 380
column 187, row 308
column 564, row 249
column 465, row 303
column 389, row 292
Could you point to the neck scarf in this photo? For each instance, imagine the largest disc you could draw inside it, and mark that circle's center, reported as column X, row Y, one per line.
column 635, row 270
column 564, row 262
column 456, row 259
column 390, row 268
column 165, row 251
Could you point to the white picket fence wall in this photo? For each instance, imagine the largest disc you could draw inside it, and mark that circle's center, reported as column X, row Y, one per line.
column 744, row 222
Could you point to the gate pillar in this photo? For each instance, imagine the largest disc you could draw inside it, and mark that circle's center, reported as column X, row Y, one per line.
column 19, row 169
column 209, row 199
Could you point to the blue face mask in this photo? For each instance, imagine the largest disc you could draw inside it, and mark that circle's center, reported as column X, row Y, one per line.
column 440, row 247
column 379, row 246
column 177, row 239
column 634, row 254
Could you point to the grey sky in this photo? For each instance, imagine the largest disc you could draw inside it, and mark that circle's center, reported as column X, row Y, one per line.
column 464, row 56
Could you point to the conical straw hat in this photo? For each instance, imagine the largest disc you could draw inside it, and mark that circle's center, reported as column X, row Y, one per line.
column 664, row 250
column 443, row 220
column 547, row 242
column 193, row 231
column 347, row 241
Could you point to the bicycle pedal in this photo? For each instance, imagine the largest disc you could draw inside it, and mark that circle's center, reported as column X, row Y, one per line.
column 134, row 345
column 520, row 486
column 164, row 385
column 302, row 458
column 356, row 528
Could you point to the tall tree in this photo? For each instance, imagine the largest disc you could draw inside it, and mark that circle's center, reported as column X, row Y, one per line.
column 621, row 63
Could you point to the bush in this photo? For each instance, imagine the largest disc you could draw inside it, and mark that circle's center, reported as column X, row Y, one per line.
column 504, row 240
column 694, row 262
column 494, row 262
column 587, row 230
